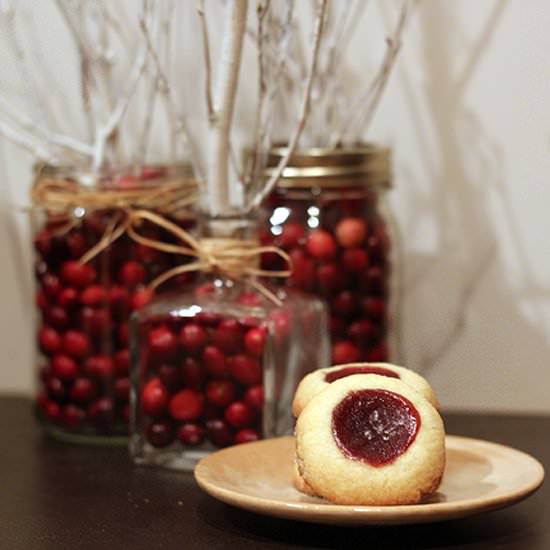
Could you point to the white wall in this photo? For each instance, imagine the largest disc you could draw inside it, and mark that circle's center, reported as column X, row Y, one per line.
column 468, row 115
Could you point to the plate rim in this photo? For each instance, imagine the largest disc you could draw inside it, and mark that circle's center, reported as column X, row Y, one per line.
column 394, row 514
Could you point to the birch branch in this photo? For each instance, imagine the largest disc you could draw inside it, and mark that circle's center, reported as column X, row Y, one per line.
column 361, row 113
column 270, row 184
column 207, row 62
column 224, row 102
column 27, row 143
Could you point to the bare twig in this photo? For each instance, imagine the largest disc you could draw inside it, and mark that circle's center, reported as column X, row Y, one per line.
column 207, row 62
column 270, row 184
column 27, row 143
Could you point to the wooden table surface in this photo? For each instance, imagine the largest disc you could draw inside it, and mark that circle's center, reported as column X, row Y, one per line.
column 55, row 497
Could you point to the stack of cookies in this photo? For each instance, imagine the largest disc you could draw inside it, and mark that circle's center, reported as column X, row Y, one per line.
column 368, row 434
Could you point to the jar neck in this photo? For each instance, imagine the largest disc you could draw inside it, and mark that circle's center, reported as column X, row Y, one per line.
column 227, row 227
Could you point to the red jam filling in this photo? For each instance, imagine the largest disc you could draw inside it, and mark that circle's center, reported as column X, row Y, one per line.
column 348, row 371
column 374, row 426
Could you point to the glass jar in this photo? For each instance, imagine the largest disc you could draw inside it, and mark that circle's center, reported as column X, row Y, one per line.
column 219, row 364
column 326, row 214
column 83, row 305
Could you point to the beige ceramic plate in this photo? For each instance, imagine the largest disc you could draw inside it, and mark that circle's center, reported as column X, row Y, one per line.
column 479, row 476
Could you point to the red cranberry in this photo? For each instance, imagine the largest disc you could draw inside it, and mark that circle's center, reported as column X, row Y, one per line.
column 330, row 277
column 320, row 244
column 191, row 434
column 254, row 397
column 378, row 353
column 255, row 340
column 193, row 337
column 208, row 319
column 337, row 326
column 52, row 411
column 146, row 254
column 220, row 392
column 51, row 285
column 186, row 405
column 76, row 244
column 239, row 415
column 121, row 389
column 57, row 317
column 193, row 373
column 344, row 352
column 95, row 321
column 361, row 331
column 64, row 367
column 251, row 299
column 76, row 274
column 170, row 377
column 303, row 269
column 76, row 344
column 351, row 232
column 228, row 336
column 122, row 362
column 245, row 370
column 82, row 390
column 154, row 398
column 215, row 362
column 205, row 289
column 72, row 416
column 219, row 433
column 246, row 435
column 291, row 235
column 141, row 298
column 163, row 343
column 355, row 260
column 100, row 366
column 281, row 320
column 93, row 296
column 376, row 281
column 123, row 334
column 118, row 298
column 345, row 303
column 160, row 434
column 132, row 274
column 42, row 300
column 374, row 308
column 68, row 298
column 56, row 389
column 50, row 340
column 102, row 412
column 43, row 242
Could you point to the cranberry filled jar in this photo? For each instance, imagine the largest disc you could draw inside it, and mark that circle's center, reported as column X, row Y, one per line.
column 218, row 365
column 90, row 276
column 326, row 214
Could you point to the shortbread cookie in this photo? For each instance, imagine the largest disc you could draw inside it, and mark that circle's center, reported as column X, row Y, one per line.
column 318, row 380
column 299, row 482
column 370, row 440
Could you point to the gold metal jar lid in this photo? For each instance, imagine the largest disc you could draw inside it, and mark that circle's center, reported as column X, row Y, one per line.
column 332, row 168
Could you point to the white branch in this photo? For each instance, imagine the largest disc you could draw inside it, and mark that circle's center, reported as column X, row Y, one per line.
column 26, row 142
column 224, row 102
column 207, row 62
column 270, row 184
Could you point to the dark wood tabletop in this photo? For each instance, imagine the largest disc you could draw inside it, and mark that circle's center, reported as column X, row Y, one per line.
column 55, row 496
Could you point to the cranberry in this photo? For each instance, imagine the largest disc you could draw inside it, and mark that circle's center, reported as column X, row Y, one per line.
column 239, row 415
column 193, row 373
column 76, row 244
column 375, row 281
column 72, row 416
column 52, row 411
column 100, row 366
column 254, row 397
column 121, row 389
column 57, row 317
column 208, row 319
column 154, row 398
column 246, row 435
column 122, row 362
column 220, row 392
column 193, row 337
column 191, row 434
column 344, row 352
column 345, row 303
column 43, row 242
column 94, row 295
column 255, row 340
column 141, row 298
column 163, row 343
column 51, row 285
column 146, row 254
column 170, row 377
column 83, row 390
column 68, row 298
column 56, row 389
column 76, row 344
column 102, row 412
column 303, row 269
column 64, row 367
column 228, row 336
column 320, row 244
column 245, row 370
column 123, row 334
column 160, row 434
column 374, row 308
column 42, row 301
column 50, row 340
column 351, row 232
column 251, row 299
column 219, row 433
column 118, row 298
column 361, row 331
column 132, row 274
column 215, row 362
column 355, row 260
column 186, row 405
column 330, row 277
column 291, row 235
column 95, row 321
column 77, row 274
column 337, row 326
column 378, row 353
